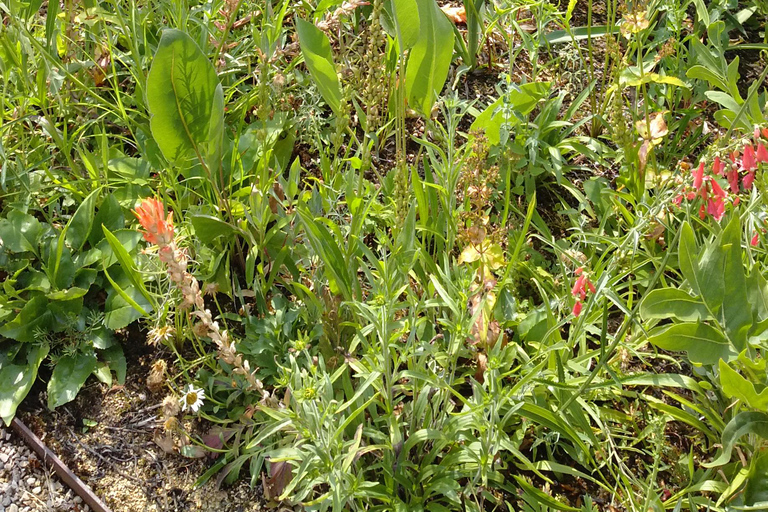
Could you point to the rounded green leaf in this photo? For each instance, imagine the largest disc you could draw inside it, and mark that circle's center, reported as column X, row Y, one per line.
column 673, row 303
column 703, row 343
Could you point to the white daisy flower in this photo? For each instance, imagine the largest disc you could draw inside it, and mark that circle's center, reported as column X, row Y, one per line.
column 192, row 398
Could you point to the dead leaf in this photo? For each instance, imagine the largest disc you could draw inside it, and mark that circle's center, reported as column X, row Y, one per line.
column 281, row 476
column 165, row 442
column 456, row 14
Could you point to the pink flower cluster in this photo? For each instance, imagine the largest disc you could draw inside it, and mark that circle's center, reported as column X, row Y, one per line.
column 739, row 173
column 579, row 290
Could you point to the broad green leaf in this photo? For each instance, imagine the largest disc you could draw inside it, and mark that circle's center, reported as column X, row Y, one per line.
column 110, row 214
column 736, row 386
column 16, row 379
column 673, row 303
column 687, row 255
column 209, row 228
column 703, row 344
column 123, row 306
column 185, row 99
column 522, row 101
column 34, row 315
column 757, row 295
column 68, row 377
column 128, row 240
column 406, row 17
column 736, row 310
column 708, row 75
column 756, row 490
column 742, row 424
column 318, row 57
column 701, row 12
column 20, row 232
column 724, row 99
column 430, row 57
column 79, row 225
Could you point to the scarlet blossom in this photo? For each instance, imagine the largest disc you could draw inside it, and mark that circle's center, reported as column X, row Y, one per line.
column 764, row 131
column 754, row 240
column 698, row 176
column 748, row 160
column 733, row 180
column 577, row 309
column 717, row 166
column 717, row 190
column 748, row 180
column 761, row 154
column 158, row 229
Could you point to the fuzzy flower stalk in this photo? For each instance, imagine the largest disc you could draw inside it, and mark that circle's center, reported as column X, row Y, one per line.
column 158, row 230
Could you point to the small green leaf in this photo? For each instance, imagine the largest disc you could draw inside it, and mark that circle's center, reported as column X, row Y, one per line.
column 34, row 315
column 318, row 57
column 703, row 344
column 522, row 101
column 209, row 228
column 68, row 377
column 115, row 358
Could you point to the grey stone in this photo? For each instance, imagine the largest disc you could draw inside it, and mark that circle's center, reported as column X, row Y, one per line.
column 4, row 457
column 13, row 508
column 37, row 490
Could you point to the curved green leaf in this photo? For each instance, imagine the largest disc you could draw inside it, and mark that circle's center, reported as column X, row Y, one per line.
column 318, row 57
column 744, row 423
column 736, row 386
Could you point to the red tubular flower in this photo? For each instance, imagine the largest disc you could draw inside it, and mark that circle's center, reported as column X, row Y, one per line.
column 717, row 190
column 717, row 166
column 748, row 180
column 761, row 154
column 764, row 131
column 698, row 176
column 577, row 308
column 578, row 286
column 733, row 180
column 754, row 240
column 158, row 229
column 748, row 161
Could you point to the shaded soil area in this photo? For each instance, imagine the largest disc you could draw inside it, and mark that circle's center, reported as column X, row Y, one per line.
column 107, row 437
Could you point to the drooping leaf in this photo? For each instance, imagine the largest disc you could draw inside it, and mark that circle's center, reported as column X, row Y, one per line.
column 673, row 303
column 16, row 379
column 742, row 424
column 318, row 57
column 430, row 57
column 185, row 100
column 20, row 232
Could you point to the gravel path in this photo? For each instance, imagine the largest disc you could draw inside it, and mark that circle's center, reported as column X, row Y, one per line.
column 26, row 485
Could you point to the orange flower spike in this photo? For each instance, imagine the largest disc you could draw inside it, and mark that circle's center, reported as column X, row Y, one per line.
column 157, row 229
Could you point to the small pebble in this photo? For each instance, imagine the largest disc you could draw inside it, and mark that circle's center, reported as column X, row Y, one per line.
column 13, row 508
column 31, row 481
column 37, row 490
